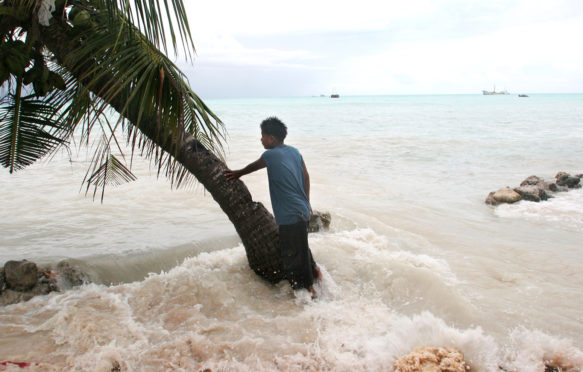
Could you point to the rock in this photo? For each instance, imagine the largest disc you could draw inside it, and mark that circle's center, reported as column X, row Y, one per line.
column 565, row 179
column 506, row 195
column 11, row 296
column 22, row 280
column 432, row 359
column 532, row 193
column 46, row 284
column 319, row 221
column 556, row 188
column 529, row 193
column 560, row 174
column 490, row 199
column 544, row 195
column 20, row 275
column 532, row 181
column 69, row 276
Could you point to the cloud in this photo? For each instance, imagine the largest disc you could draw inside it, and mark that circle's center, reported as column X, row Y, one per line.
column 470, row 64
column 394, row 47
column 265, row 16
column 227, row 49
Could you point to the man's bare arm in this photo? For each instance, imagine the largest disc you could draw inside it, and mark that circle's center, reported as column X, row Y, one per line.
column 307, row 182
column 232, row 175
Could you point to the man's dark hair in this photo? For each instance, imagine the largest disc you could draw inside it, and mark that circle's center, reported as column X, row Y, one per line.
column 274, row 127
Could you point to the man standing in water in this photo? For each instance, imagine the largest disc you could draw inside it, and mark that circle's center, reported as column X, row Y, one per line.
column 289, row 188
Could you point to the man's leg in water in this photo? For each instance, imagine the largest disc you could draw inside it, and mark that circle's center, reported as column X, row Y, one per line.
column 298, row 263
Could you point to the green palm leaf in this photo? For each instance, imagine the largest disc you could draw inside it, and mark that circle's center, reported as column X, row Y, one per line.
column 111, row 172
column 26, row 124
column 156, row 20
column 114, row 62
column 128, row 67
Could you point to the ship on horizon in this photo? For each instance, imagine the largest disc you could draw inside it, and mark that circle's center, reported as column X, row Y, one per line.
column 493, row 92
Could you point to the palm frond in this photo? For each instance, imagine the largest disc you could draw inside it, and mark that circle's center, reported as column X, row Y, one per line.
column 155, row 93
column 110, row 172
column 26, row 126
column 113, row 61
column 83, row 113
column 156, row 20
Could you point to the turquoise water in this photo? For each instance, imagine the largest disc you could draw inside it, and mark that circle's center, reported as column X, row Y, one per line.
column 413, row 257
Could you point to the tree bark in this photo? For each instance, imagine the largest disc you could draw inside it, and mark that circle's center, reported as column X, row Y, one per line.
column 254, row 223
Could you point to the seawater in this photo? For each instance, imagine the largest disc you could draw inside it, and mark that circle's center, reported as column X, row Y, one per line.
column 413, row 256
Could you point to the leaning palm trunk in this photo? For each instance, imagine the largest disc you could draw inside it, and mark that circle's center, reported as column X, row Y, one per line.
column 254, row 224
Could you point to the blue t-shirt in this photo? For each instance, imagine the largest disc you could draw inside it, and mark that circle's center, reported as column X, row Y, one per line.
column 287, row 186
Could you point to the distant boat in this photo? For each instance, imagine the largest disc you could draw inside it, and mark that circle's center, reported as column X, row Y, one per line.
column 335, row 96
column 493, row 92
column 522, row 95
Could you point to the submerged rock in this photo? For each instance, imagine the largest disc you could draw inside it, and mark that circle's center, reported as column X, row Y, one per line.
column 432, row 359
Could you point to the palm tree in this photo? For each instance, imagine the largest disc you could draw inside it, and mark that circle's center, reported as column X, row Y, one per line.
column 65, row 67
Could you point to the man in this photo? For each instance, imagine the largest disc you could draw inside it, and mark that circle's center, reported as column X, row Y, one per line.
column 289, row 188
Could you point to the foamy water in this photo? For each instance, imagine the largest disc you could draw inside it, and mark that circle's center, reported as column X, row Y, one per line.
column 563, row 211
column 212, row 312
column 413, row 257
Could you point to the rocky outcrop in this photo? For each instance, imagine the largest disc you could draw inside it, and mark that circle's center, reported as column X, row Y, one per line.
column 22, row 280
column 535, row 189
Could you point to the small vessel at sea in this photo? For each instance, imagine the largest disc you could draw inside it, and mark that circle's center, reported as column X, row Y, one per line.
column 335, row 96
column 522, row 95
column 494, row 92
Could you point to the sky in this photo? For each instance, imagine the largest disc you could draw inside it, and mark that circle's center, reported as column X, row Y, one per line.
column 261, row 48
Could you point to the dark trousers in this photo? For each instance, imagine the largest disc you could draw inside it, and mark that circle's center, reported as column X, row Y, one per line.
column 298, row 263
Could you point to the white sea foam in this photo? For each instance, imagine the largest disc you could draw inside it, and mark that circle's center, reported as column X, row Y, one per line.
column 563, row 210
column 213, row 312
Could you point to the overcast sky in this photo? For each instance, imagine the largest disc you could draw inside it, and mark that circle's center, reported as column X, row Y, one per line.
column 270, row 48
